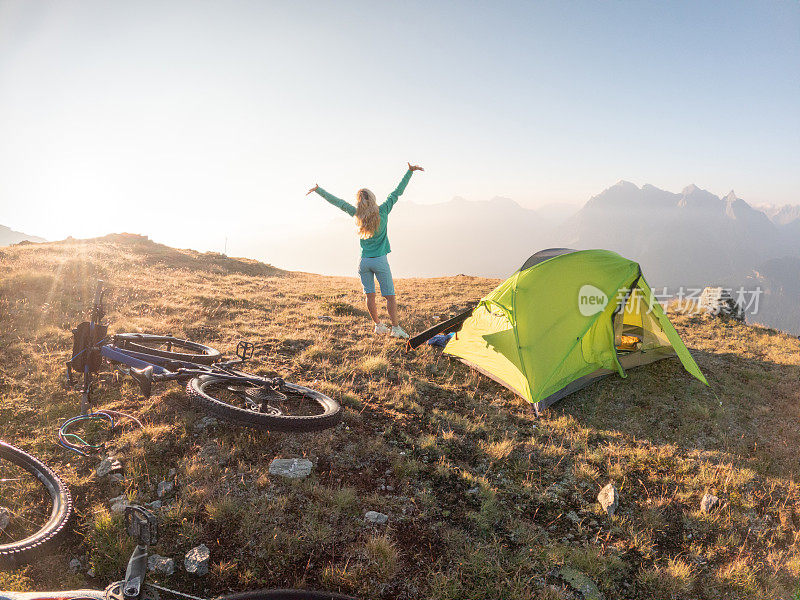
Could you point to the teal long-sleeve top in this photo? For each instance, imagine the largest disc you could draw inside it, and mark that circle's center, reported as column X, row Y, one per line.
column 378, row 244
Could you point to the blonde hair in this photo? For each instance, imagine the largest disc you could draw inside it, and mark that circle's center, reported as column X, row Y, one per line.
column 367, row 217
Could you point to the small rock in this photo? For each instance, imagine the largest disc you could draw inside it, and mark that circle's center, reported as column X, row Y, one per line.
column 107, row 466
column 205, row 423
column 293, row 468
column 581, row 582
column 197, row 559
column 373, row 516
column 90, row 572
column 75, row 565
column 209, row 453
column 573, row 516
column 165, row 488
column 709, row 503
column 325, row 318
column 160, row 564
column 154, row 505
column 119, row 504
column 609, row 499
column 116, row 478
column 171, row 474
column 5, row 517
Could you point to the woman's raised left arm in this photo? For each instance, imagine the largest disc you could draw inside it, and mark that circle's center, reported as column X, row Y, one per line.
column 401, row 187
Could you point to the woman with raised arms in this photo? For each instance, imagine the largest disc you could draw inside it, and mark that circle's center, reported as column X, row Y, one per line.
column 371, row 222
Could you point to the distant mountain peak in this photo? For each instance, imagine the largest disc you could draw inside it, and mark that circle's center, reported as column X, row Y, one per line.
column 731, row 196
column 626, row 184
column 9, row 236
column 697, row 198
column 503, row 201
column 781, row 214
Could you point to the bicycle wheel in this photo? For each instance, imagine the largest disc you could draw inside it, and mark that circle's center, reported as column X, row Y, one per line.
column 35, row 505
column 166, row 346
column 286, row 595
column 292, row 408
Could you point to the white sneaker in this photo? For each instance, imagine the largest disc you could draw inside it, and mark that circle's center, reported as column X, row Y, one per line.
column 398, row 332
column 382, row 329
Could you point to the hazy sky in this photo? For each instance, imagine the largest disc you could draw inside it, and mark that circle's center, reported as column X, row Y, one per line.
column 190, row 121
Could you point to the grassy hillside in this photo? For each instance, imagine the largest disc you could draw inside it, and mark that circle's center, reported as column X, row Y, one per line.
column 484, row 500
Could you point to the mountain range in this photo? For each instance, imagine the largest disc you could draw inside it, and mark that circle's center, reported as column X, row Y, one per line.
column 684, row 238
column 692, row 238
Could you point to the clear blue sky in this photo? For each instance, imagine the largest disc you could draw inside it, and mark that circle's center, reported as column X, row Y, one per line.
column 188, row 121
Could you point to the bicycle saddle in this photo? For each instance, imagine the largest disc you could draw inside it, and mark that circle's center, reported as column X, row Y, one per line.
column 144, row 377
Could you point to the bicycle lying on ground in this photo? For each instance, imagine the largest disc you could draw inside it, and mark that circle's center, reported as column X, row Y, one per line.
column 142, row 526
column 35, row 505
column 211, row 382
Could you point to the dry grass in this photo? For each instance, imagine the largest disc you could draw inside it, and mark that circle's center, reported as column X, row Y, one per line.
column 483, row 498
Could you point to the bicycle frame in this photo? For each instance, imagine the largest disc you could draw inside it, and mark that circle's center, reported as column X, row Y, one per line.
column 147, row 368
column 165, row 369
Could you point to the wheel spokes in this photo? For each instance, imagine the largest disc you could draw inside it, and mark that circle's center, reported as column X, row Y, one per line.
column 266, row 399
column 24, row 503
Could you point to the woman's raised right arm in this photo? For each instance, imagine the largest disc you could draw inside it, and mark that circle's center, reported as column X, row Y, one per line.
column 337, row 202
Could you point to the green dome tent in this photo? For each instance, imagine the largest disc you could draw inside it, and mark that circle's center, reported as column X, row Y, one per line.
column 564, row 320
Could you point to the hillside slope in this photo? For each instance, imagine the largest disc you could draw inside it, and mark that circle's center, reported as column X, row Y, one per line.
column 484, row 500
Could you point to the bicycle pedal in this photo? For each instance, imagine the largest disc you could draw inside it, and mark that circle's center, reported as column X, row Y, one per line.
column 245, row 350
column 141, row 525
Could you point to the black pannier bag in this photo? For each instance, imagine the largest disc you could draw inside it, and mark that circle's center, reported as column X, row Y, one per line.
column 82, row 342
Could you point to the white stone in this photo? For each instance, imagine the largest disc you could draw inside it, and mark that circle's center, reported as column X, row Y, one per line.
column 293, row 468
column 107, row 466
column 119, row 504
column 708, row 503
column 376, row 517
column 75, row 565
column 197, row 559
column 160, row 564
column 5, row 518
column 609, row 499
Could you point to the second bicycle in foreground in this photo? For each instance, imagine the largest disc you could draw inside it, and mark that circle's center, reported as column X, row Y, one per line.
column 214, row 384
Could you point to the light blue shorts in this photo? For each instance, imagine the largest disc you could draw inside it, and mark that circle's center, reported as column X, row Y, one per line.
column 371, row 267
